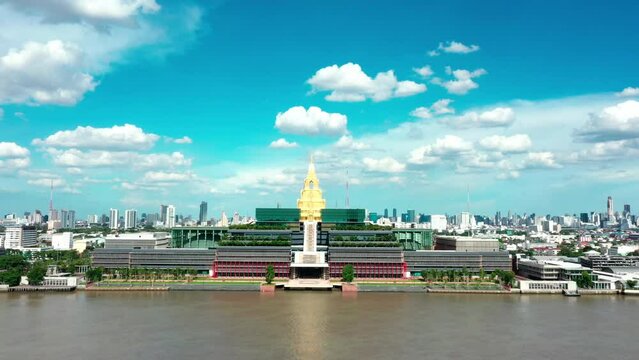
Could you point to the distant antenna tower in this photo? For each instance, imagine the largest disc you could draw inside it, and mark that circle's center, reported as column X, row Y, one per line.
column 348, row 200
column 51, row 199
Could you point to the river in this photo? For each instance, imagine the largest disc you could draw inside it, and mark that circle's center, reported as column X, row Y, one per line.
column 315, row 325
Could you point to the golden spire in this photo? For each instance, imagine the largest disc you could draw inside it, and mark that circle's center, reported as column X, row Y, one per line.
column 311, row 201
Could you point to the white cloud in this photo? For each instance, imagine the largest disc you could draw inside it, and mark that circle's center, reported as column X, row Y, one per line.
column 349, row 83
column 1, row 113
column 508, row 175
column 127, row 159
column 543, row 159
column 463, row 80
column 171, row 177
column 91, row 11
column 447, row 146
column 454, row 47
column 507, row 144
column 386, row 164
column 183, row 140
column 440, row 107
column 13, row 157
column 44, row 73
column 347, row 142
column 12, row 150
column 616, row 122
column 297, row 120
column 629, row 92
column 282, row 143
column 125, row 137
column 497, row 117
column 424, row 71
column 269, row 179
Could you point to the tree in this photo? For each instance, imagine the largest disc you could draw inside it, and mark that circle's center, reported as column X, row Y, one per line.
column 482, row 274
column 584, row 281
column 270, row 274
column 94, row 275
column 348, row 273
column 508, row 278
column 631, row 283
column 11, row 277
column 37, row 273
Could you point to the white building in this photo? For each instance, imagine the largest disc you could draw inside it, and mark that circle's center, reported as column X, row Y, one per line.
column 62, row 241
column 114, row 216
column 141, row 240
column 92, row 219
column 170, row 216
column 130, row 219
column 464, row 221
column 20, row 237
column 438, row 222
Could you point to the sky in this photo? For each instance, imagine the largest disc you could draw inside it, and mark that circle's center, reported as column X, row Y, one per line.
column 129, row 104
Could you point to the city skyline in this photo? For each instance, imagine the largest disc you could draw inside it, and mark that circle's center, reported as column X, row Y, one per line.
column 179, row 104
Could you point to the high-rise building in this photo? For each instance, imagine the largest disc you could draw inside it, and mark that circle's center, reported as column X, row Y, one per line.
column 170, row 216
column 464, row 221
column 64, row 219
column 584, row 217
column 130, row 219
column 203, row 210
column 71, row 219
column 163, row 209
column 611, row 211
column 114, row 216
column 626, row 210
column 411, row 215
column 394, row 214
column 386, row 213
column 92, row 219
column 20, row 237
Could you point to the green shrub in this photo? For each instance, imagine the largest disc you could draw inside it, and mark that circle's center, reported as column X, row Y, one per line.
column 348, row 273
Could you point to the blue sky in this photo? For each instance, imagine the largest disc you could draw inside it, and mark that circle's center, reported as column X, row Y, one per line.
column 133, row 103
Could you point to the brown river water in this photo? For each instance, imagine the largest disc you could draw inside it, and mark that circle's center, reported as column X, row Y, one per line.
column 315, row 325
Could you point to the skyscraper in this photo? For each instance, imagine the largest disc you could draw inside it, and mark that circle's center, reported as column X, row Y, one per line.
column 611, row 211
column 170, row 216
column 130, row 219
column 163, row 213
column 203, row 211
column 626, row 210
column 114, row 216
column 70, row 219
column 386, row 213
column 64, row 219
column 394, row 214
column 411, row 215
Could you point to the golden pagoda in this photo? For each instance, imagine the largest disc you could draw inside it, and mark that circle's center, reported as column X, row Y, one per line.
column 311, row 202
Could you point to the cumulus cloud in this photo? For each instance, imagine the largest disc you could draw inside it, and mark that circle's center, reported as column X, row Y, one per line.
column 44, row 73
column 497, row 117
column 439, row 107
column 385, row 164
column 508, row 175
column 183, row 140
column 444, row 147
column 462, row 81
column 270, row 180
column 453, row 47
column 314, row 121
column 282, row 143
column 125, row 137
column 76, row 158
column 507, row 144
column 13, row 157
column 349, row 83
column 616, row 122
column 629, row 92
column 540, row 160
column 347, row 142
column 171, row 177
column 424, row 71
column 90, row 11
column 12, row 150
